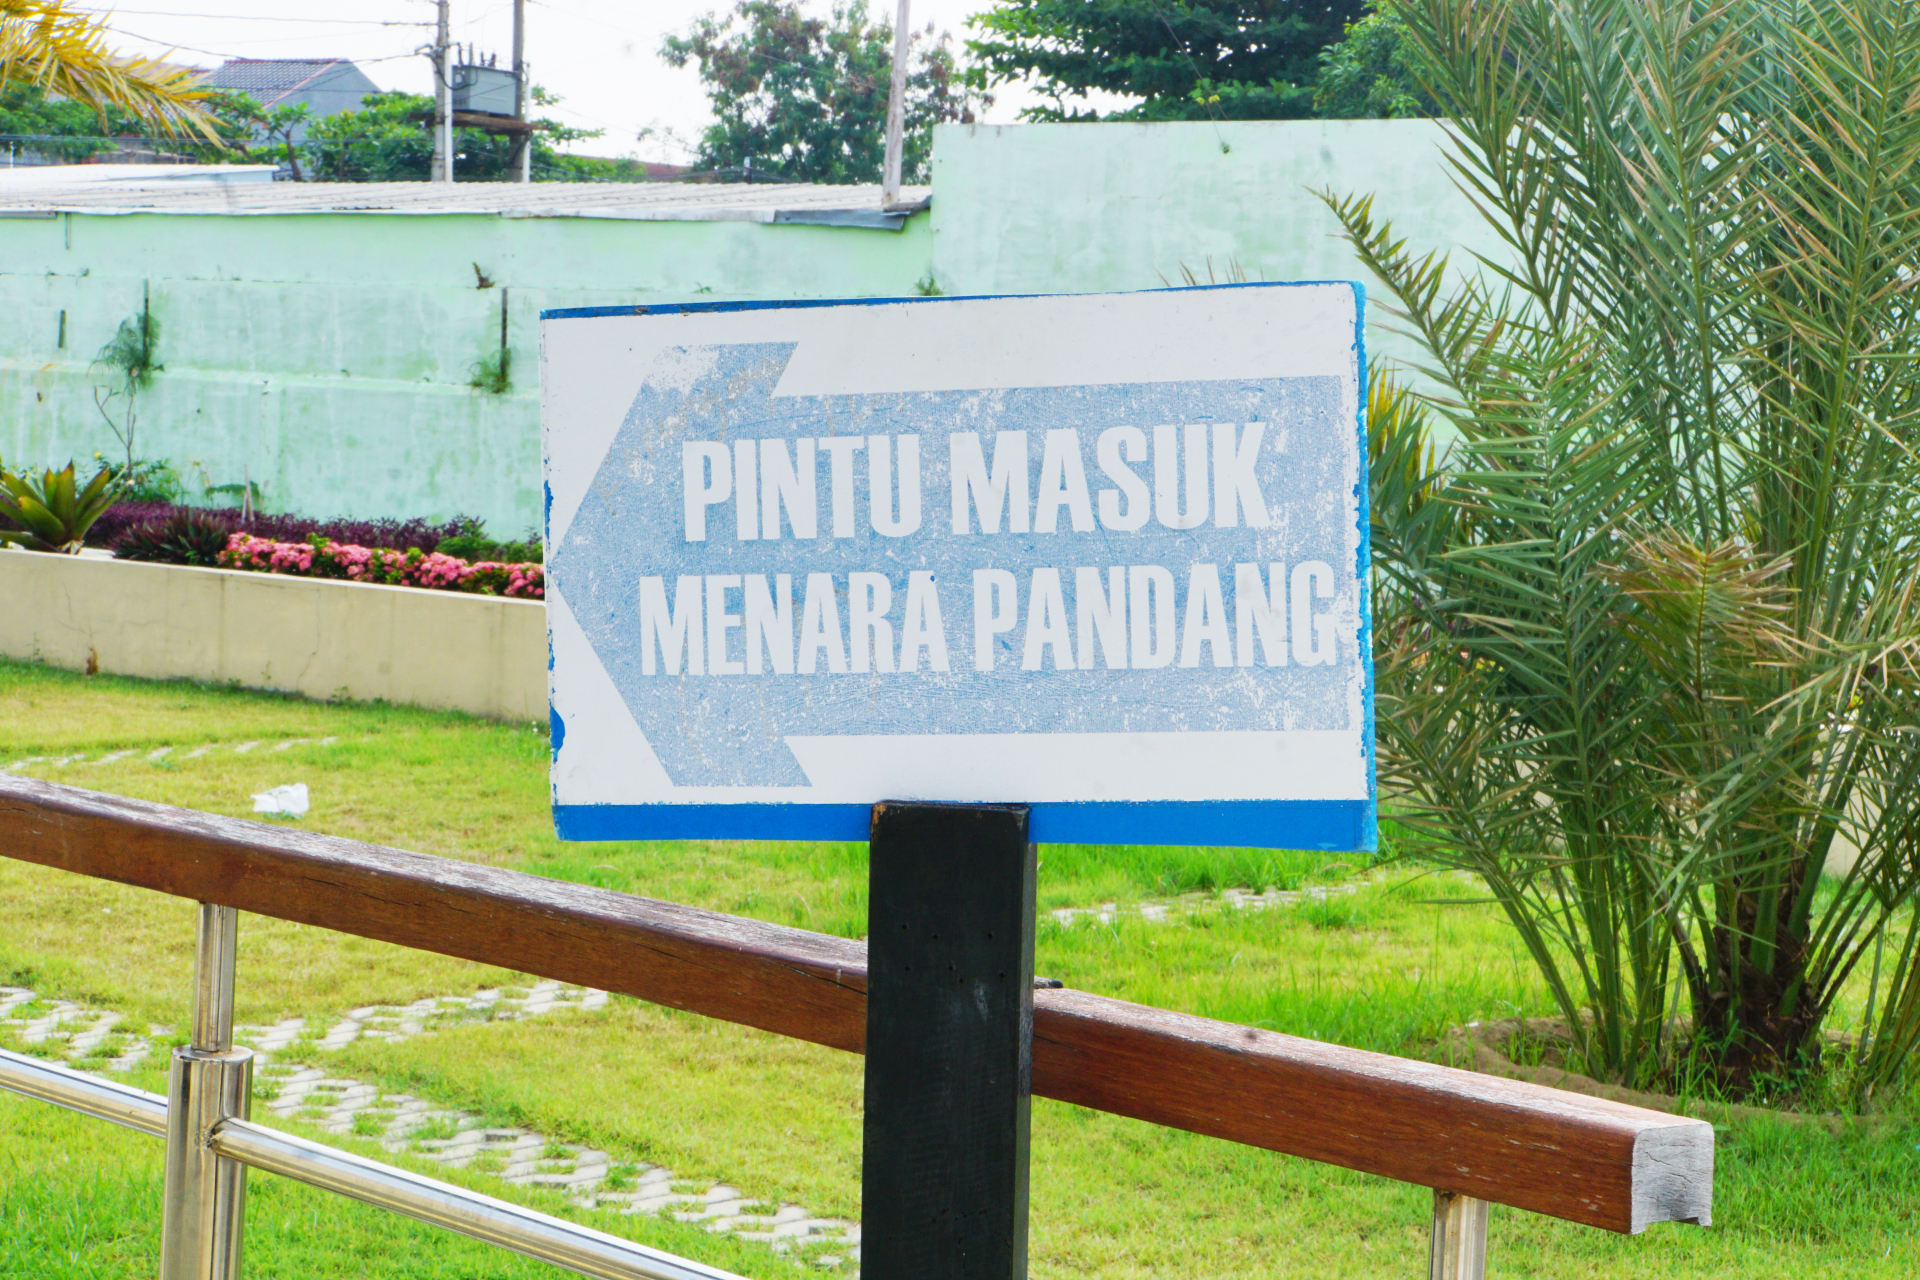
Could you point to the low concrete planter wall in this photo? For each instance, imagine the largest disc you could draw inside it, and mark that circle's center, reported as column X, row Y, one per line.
column 442, row 649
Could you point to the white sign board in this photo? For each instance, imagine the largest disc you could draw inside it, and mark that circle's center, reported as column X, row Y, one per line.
column 1103, row 555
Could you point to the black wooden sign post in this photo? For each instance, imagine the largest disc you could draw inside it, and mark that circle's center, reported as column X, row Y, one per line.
column 949, row 1043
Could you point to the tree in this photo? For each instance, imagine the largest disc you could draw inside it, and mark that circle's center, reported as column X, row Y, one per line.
column 1648, row 649
column 130, row 360
column 1370, row 74
column 63, row 53
column 1186, row 59
column 804, row 99
column 279, row 123
column 386, row 140
column 236, row 125
column 68, row 131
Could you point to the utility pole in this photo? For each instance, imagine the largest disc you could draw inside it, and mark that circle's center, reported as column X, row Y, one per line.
column 522, row 142
column 896, row 110
column 442, row 54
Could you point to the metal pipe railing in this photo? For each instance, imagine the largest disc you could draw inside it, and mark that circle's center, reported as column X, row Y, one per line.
column 245, row 1144
column 566, row 1244
column 203, row 1210
column 137, row 1109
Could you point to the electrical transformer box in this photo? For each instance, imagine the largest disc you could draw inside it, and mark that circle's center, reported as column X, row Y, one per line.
column 485, row 90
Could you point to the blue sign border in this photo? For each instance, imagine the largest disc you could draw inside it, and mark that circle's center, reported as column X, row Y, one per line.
column 1332, row 825
column 1336, row 825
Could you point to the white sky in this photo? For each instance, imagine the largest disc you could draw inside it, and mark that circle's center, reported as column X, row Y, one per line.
column 601, row 56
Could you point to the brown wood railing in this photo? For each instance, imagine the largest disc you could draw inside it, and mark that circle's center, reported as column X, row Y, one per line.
column 1582, row 1159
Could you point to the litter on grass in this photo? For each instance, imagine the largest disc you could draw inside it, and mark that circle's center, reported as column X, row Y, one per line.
column 290, row 799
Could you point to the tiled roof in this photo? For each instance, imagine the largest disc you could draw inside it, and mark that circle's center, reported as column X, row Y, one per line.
column 269, row 78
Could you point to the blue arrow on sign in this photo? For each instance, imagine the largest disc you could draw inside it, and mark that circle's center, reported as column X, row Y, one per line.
column 1104, row 582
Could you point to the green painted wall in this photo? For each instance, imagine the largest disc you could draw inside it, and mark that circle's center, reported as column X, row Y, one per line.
column 328, row 357
column 1065, row 208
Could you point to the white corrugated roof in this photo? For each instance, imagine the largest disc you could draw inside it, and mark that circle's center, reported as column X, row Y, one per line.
column 42, row 178
column 857, row 206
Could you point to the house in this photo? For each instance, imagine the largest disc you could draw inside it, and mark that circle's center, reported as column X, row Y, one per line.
column 328, row 85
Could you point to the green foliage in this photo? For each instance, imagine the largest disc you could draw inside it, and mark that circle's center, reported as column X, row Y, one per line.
column 278, row 124
column 59, row 129
column 562, row 166
column 66, row 130
column 1370, row 74
column 388, row 140
column 1186, row 59
column 237, row 125
column 385, row 141
column 52, row 513
column 131, row 359
column 798, row 98
column 245, row 492
column 493, row 373
column 132, row 355
column 1648, row 644
column 149, row 480
column 472, row 544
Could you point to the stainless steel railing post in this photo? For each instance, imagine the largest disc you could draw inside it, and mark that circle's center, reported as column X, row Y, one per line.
column 1459, row 1237
column 204, row 1208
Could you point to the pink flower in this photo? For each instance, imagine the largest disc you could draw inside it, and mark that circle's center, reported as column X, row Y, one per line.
column 320, row 557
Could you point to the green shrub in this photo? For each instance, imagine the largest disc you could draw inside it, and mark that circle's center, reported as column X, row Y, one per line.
column 149, row 480
column 473, row 544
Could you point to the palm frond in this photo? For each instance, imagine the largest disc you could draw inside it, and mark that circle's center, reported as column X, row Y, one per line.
column 63, row 51
column 1649, row 638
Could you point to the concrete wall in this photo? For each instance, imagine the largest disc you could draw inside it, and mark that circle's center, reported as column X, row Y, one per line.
column 1063, row 208
column 328, row 357
column 482, row 654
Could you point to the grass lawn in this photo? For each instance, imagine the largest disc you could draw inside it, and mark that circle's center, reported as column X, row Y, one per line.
column 1388, row 967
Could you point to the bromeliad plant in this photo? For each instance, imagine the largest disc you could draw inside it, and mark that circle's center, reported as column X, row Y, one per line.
column 185, row 536
column 51, row 513
column 1649, row 645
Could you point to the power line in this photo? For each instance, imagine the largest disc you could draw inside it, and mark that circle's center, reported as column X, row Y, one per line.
column 217, row 53
column 170, row 44
column 481, row 17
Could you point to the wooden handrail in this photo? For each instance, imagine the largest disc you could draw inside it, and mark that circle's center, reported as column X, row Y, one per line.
column 1586, row 1160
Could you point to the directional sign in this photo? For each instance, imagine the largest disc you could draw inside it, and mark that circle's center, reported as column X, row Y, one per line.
column 1104, row 555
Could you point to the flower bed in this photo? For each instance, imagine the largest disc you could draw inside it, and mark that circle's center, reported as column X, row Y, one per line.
column 401, row 535
column 321, row 557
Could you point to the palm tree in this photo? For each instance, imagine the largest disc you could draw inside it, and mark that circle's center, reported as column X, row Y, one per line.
column 64, row 53
column 1649, row 649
